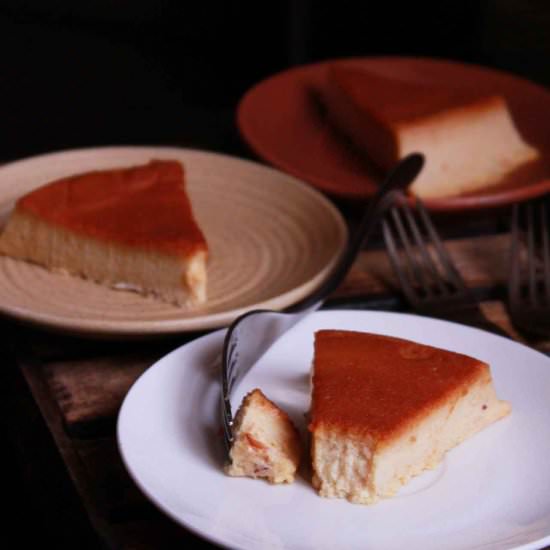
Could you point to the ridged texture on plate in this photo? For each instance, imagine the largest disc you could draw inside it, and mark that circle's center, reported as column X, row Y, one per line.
column 271, row 239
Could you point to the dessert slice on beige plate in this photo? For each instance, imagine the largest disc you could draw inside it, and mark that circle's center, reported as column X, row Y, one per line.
column 385, row 409
column 469, row 139
column 266, row 443
column 128, row 227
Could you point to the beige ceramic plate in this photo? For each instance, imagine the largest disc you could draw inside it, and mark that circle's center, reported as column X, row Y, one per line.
column 272, row 241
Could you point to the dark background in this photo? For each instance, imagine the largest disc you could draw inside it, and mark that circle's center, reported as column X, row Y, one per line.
column 77, row 74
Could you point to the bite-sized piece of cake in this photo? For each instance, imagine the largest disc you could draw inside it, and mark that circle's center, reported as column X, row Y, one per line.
column 266, row 443
column 126, row 227
column 385, row 409
column 469, row 140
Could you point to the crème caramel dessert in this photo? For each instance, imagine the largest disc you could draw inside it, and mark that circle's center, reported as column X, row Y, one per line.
column 125, row 227
column 386, row 409
column 469, row 140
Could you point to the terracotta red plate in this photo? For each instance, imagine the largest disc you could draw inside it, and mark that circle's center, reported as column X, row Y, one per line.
column 283, row 122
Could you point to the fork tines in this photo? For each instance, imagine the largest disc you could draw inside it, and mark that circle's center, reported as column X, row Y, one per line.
column 424, row 268
column 529, row 280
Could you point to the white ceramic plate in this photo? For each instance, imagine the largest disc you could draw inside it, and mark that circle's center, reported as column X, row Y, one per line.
column 272, row 240
column 491, row 492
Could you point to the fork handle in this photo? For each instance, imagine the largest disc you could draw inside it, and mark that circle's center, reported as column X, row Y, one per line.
column 398, row 180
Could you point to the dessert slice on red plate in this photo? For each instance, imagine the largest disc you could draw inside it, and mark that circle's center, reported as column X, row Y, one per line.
column 469, row 138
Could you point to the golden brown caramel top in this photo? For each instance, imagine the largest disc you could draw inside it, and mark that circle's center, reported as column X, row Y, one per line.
column 145, row 206
column 399, row 101
column 373, row 385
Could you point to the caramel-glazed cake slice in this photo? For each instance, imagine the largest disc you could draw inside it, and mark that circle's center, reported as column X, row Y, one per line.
column 266, row 444
column 469, row 140
column 126, row 227
column 385, row 409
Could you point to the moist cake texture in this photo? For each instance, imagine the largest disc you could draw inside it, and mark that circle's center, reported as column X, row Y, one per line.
column 130, row 227
column 266, row 443
column 469, row 139
column 385, row 409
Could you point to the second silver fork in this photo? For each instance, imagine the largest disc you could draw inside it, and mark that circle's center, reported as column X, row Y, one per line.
column 427, row 275
column 529, row 277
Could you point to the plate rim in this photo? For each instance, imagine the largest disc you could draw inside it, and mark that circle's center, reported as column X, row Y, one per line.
column 205, row 535
column 138, row 328
column 464, row 203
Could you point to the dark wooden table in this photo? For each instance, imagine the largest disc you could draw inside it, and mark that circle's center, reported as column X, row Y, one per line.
column 61, row 396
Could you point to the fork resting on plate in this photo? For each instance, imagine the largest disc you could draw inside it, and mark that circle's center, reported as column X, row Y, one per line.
column 251, row 334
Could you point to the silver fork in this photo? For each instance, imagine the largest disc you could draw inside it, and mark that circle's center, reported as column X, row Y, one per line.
column 529, row 276
column 251, row 334
column 427, row 275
